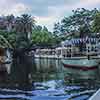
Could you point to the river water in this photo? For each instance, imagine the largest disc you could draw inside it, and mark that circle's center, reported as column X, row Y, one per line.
column 49, row 84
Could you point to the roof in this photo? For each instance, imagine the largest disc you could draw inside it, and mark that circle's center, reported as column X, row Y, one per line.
column 79, row 40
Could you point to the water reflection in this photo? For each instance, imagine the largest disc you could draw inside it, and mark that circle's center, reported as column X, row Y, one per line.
column 49, row 84
column 49, row 90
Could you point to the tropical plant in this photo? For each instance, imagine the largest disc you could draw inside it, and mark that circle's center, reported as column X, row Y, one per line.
column 24, row 24
column 22, row 63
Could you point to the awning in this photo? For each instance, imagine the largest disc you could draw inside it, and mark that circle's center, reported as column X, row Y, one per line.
column 80, row 40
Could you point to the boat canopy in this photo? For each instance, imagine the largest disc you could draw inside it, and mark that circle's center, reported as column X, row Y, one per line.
column 79, row 41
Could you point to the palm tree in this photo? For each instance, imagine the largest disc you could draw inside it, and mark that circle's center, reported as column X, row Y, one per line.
column 22, row 63
column 24, row 24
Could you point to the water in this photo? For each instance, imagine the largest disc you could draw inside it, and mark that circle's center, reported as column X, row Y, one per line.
column 49, row 90
column 49, row 84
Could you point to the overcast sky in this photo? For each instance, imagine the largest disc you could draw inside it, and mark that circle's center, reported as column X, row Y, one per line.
column 46, row 12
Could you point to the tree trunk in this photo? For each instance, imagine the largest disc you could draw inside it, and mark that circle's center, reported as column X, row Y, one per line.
column 21, row 68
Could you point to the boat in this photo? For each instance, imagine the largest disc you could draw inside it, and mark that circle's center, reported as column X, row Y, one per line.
column 82, row 67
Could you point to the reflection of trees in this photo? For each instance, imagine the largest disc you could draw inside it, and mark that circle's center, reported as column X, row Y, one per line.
column 76, row 79
column 21, row 68
column 72, row 78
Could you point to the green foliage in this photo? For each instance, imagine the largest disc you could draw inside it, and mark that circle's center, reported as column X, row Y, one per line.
column 25, row 32
column 42, row 37
column 81, row 23
column 78, row 24
column 57, row 29
column 96, row 23
column 24, row 25
column 10, row 37
column 19, row 33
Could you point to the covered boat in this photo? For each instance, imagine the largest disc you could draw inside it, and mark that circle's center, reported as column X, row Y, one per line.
column 82, row 67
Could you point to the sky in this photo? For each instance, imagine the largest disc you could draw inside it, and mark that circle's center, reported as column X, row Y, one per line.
column 45, row 12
